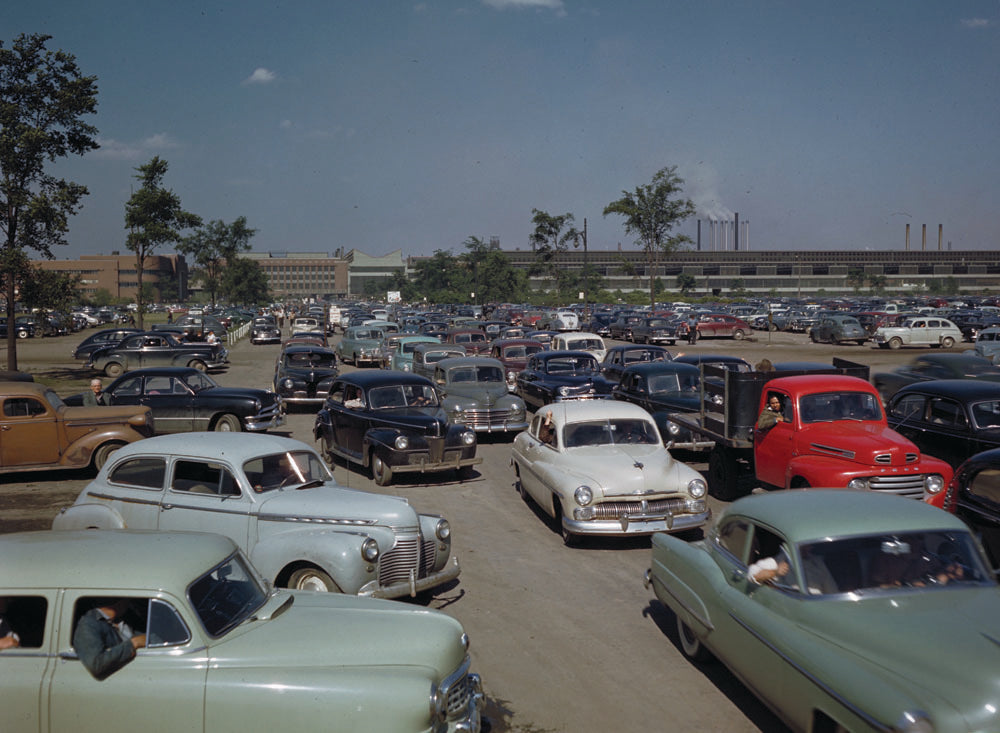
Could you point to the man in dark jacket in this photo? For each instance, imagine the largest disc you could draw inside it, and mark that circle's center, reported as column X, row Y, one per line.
column 103, row 641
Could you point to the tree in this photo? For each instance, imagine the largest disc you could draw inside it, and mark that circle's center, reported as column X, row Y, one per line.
column 549, row 240
column 686, row 282
column 244, row 281
column 43, row 98
column 48, row 289
column 214, row 248
column 154, row 217
column 877, row 283
column 856, row 278
column 494, row 279
column 651, row 212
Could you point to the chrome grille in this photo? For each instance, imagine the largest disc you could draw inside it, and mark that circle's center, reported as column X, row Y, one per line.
column 911, row 485
column 486, row 418
column 427, row 553
column 457, row 691
column 638, row 508
column 395, row 565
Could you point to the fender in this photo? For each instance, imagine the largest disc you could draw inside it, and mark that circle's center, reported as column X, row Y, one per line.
column 88, row 516
column 324, row 422
column 335, row 551
column 82, row 450
column 442, row 548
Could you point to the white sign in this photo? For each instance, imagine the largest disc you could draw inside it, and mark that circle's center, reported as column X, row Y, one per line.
column 392, row 296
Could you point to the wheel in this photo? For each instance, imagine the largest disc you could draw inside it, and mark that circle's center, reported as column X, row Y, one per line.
column 228, row 424
column 723, row 474
column 465, row 473
column 895, row 342
column 691, row 646
column 22, row 334
column 312, row 579
column 947, row 342
column 812, row 337
column 103, row 453
column 327, row 452
column 198, row 364
column 381, row 471
column 738, row 334
column 114, row 369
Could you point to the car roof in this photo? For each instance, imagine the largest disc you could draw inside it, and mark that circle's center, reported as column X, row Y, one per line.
column 109, row 560
column 22, row 388
column 711, row 358
column 382, row 377
column 961, row 389
column 577, row 410
column 807, row 515
column 460, row 361
column 233, row 447
column 821, row 383
column 561, row 354
column 308, row 349
column 651, row 368
column 162, row 371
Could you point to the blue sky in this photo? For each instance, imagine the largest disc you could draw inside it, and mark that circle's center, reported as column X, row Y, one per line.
column 414, row 125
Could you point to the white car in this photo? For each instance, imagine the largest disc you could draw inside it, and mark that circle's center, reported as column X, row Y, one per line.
column 580, row 341
column 922, row 331
column 306, row 324
column 605, row 472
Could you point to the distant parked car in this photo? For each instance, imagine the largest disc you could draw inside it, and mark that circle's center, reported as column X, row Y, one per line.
column 619, row 357
column 264, row 330
column 605, row 472
column 268, row 494
column 836, row 329
column 580, row 341
column 23, row 330
column 360, row 345
column 426, row 356
column 513, row 354
column 306, row 323
column 99, row 339
column 921, row 331
column 475, row 341
column 723, row 325
column 303, row 374
column 402, row 357
column 934, row 366
column 554, row 376
column 474, row 393
column 987, row 345
column 157, row 349
column 654, row 331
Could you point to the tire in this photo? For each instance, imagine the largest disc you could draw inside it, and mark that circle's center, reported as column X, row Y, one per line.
column 723, row 475
column 113, row 369
column 691, row 646
column 861, row 342
column 228, row 424
column 312, row 579
column 103, row 453
column 799, row 483
column 198, row 364
column 381, row 471
column 22, row 334
column 947, row 342
column 895, row 342
column 812, row 337
column 326, row 452
column 738, row 334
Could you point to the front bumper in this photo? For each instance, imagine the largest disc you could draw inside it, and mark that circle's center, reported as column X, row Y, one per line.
column 261, row 423
column 647, row 520
column 415, row 585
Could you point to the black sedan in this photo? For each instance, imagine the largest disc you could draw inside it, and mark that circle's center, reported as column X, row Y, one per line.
column 104, row 337
column 185, row 399
column 951, row 419
column 662, row 388
column 392, row 422
column 935, row 366
column 264, row 330
column 619, row 357
column 974, row 496
column 731, row 363
column 554, row 376
column 304, row 373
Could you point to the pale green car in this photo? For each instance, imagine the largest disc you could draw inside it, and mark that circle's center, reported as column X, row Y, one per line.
column 224, row 651
column 880, row 613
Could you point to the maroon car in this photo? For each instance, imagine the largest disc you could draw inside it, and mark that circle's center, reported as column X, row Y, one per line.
column 513, row 354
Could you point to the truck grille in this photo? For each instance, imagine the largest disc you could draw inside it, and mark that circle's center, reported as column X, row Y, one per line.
column 638, row 508
column 396, row 564
column 911, row 486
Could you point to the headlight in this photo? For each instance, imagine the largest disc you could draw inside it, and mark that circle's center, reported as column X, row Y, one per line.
column 563, row 391
column 443, row 529
column 697, row 488
column 456, row 409
column 583, row 495
column 511, row 376
column 673, row 428
column 256, row 405
column 933, row 483
column 468, row 437
column 402, row 442
column 287, row 383
column 369, row 550
column 717, row 399
column 858, row 484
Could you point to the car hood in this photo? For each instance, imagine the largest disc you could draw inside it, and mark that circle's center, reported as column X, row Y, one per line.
column 429, row 420
column 628, row 470
column 909, row 633
column 327, row 630
column 485, row 392
column 237, row 392
column 331, row 501
column 856, row 441
column 308, row 373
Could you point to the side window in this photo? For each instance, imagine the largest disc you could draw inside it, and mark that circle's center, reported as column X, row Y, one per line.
column 22, row 621
column 23, row 407
column 200, row 477
column 337, row 393
column 158, row 385
column 166, row 627
column 766, row 544
column 987, row 414
column 732, row 537
column 910, row 406
column 946, row 412
column 131, row 387
column 146, row 473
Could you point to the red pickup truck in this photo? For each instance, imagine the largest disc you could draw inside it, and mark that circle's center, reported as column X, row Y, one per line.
column 832, row 434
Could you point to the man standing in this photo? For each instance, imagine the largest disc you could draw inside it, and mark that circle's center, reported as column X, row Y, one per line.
column 692, row 324
column 96, row 395
column 103, row 641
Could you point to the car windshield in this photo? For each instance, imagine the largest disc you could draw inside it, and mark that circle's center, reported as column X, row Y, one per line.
column 833, row 406
column 468, row 374
column 285, row 470
column 609, row 432
column 927, row 559
column 402, row 395
column 227, row 595
column 632, row 357
column 309, row 359
column 369, row 334
column 673, row 383
column 572, row 366
column 198, row 381
column 584, row 344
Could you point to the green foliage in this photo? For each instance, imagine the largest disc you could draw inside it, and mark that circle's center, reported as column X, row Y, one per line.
column 49, row 290
column 214, row 247
column 856, row 278
column 102, row 297
column 686, row 283
column 447, row 278
column 43, row 98
column 549, row 240
column 244, row 282
column 651, row 212
column 154, row 217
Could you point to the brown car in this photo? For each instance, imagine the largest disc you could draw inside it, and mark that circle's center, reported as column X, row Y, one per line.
column 39, row 432
column 476, row 342
column 514, row 353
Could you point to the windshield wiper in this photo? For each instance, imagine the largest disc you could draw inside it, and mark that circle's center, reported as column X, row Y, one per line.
column 311, row 484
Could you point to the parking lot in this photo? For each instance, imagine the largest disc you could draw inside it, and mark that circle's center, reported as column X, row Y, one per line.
column 565, row 639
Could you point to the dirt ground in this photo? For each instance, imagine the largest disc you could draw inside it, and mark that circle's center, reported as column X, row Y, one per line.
column 565, row 639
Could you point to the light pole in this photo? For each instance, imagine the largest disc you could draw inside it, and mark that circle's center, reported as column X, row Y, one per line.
column 586, row 274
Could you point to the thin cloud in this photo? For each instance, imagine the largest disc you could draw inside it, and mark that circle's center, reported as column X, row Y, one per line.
column 120, row 150
column 260, row 75
column 556, row 5
column 976, row 22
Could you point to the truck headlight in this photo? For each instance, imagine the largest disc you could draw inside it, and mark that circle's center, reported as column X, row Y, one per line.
column 583, row 495
column 858, row 484
column 697, row 488
column 443, row 529
column 369, row 550
column 402, row 442
column 933, row 483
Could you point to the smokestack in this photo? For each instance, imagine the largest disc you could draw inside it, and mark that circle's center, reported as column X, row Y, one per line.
column 907, row 237
column 923, row 237
column 736, row 232
column 940, row 234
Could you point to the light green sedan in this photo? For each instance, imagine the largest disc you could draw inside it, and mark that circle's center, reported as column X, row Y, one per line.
column 842, row 610
column 223, row 651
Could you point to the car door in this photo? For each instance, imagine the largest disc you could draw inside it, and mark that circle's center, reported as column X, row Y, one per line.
column 172, row 403
column 29, row 432
column 205, row 496
column 535, row 455
column 30, row 613
column 160, row 691
column 773, row 447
